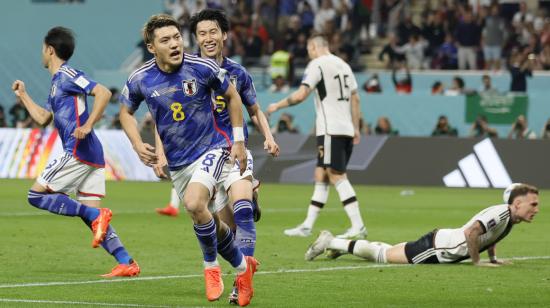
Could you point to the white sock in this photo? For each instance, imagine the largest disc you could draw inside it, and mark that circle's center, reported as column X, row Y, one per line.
column 339, row 244
column 242, row 267
column 318, row 200
column 174, row 199
column 368, row 251
column 211, row 264
column 351, row 206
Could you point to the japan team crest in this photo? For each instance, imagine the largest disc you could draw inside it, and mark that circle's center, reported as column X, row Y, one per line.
column 189, row 87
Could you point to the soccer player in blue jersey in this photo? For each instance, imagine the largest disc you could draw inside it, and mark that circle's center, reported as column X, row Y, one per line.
column 210, row 28
column 80, row 169
column 177, row 89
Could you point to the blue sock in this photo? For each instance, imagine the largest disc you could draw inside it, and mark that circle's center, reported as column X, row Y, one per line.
column 113, row 245
column 206, row 234
column 229, row 250
column 246, row 229
column 61, row 204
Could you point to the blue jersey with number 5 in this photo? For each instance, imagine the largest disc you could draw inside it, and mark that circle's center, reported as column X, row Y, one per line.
column 242, row 81
column 181, row 105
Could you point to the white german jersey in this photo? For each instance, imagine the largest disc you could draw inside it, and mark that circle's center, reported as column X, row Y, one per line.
column 450, row 244
column 333, row 82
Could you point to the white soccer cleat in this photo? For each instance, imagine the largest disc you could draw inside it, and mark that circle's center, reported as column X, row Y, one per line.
column 354, row 234
column 298, row 231
column 319, row 246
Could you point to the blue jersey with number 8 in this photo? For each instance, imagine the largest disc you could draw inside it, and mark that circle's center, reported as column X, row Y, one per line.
column 181, row 105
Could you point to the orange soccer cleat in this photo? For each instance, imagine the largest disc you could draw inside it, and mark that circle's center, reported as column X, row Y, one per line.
column 214, row 283
column 124, row 270
column 169, row 210
column 100, row 225
column 244, row 282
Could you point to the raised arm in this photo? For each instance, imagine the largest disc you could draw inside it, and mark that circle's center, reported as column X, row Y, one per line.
column 145, row 151
column 102, row 96
column 42, row 116
column 260, row 120
column 295, row 98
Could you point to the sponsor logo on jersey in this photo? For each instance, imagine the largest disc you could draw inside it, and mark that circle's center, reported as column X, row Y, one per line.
column 189, row 87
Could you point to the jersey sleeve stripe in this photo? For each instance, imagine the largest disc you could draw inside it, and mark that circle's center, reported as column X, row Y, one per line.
column 149, row 64
column 67, row 72
column 213, row 65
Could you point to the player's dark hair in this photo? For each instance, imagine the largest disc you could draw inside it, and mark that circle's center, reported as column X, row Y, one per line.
column 209, row 14
column 156, row 22
column 62, row 41
column 522, row 190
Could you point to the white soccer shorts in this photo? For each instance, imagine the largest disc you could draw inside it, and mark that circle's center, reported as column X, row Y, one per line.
column 67, row 175
column 231, row 176
column 211, row 170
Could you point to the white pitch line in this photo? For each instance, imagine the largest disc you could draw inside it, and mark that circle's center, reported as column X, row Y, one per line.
column 39, row 301
column 131, row 212
column 280, row 271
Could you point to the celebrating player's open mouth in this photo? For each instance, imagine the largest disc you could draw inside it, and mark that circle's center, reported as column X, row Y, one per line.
column 211, row 47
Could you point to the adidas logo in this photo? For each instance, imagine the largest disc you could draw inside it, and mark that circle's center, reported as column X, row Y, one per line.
column 155, row 94
column 483, row 168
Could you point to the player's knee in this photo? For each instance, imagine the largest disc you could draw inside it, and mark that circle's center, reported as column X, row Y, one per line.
column 335, row 176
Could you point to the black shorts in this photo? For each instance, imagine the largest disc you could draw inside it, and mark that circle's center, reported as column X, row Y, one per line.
column 422, row 251
column 334, row 152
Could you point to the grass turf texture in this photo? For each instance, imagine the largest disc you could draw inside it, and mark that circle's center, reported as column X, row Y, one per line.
column 38, row 247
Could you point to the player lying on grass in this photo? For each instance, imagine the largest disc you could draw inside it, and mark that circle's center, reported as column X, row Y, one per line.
column 480, row 233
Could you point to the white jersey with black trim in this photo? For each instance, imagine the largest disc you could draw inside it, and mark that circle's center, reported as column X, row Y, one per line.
column 333, row 82
column 450, row 244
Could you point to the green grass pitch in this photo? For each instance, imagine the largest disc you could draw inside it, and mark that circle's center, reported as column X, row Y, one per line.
column 47, row 260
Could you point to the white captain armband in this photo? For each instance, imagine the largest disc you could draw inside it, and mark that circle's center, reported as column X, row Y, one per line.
column 238, row 134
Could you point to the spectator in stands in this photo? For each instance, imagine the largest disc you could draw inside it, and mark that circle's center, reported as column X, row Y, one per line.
column 520, row 130
column 434, row 33
column 522, row 17
column 372, row 85
column 467, row 34
column 404, row 85
column 487, row 86
column 280, row 65
column 383, row 127
column 390, row 49
column 292, row 32
column 406, row 29
column 299, row 51
column 494, row 36
column 279, row 85
column 480, row 128
column 2, row 117
column 115, row 122
column 545, row 134
column 414, row 52
column 20, row 117
column 457, row 87
column 443, row 128
column 253, row 47
column 285, row 125
column 521, row 67
column 307, row 16
column 325, row 14
column 447, row 55
column 438, row 88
